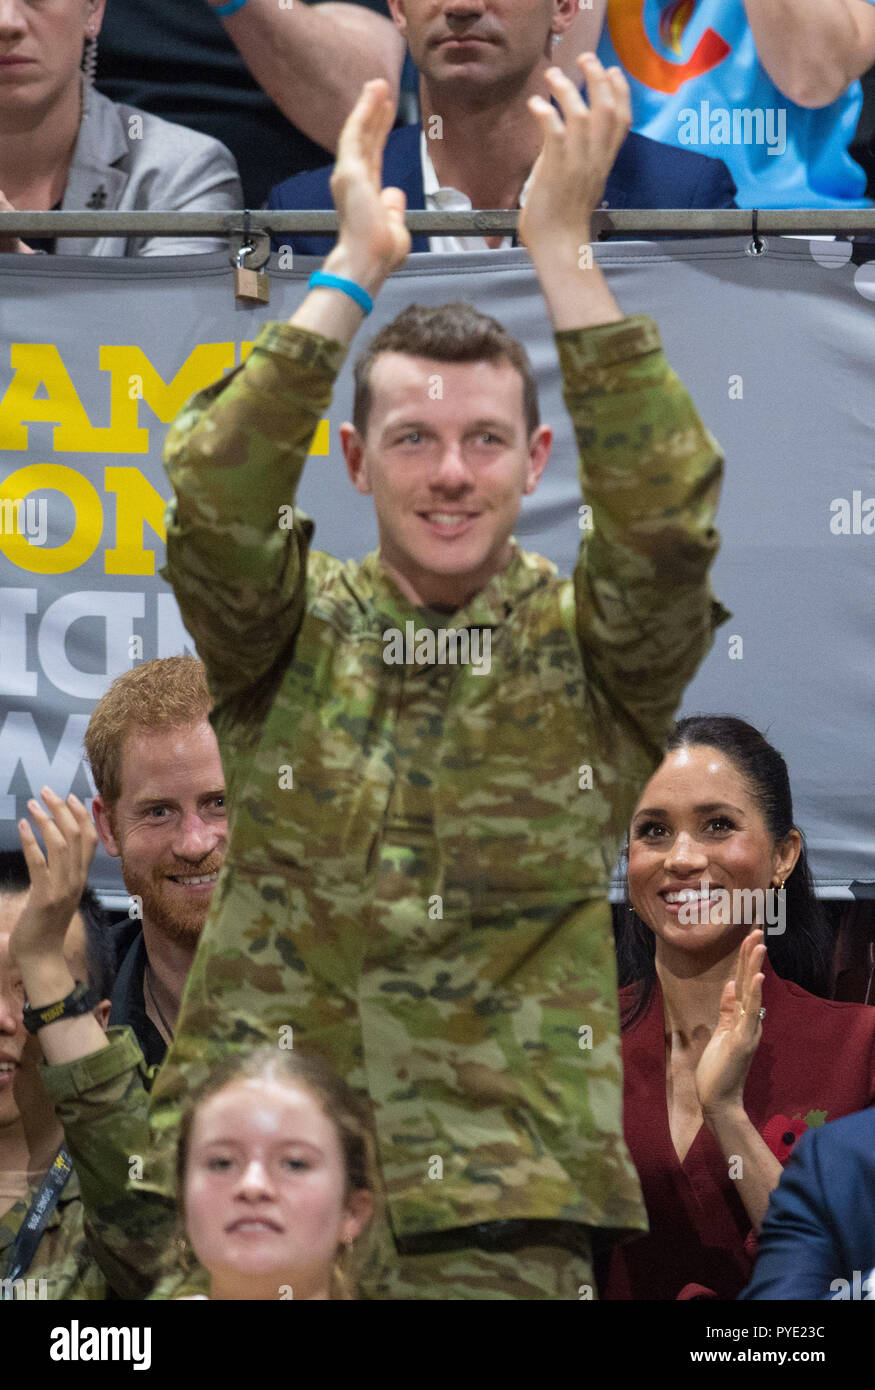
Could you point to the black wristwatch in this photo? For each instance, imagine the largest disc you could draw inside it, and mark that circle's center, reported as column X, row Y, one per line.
column 82, row 1000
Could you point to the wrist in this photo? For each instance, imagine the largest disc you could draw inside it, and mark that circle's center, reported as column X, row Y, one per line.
column 725, row 1114
column 46, row 979
column 561, row 249
column 350, row 264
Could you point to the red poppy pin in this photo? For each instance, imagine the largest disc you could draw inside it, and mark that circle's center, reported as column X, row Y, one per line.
column 781, row 1132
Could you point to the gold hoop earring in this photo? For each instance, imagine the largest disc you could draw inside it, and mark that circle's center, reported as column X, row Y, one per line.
column 184, row 1253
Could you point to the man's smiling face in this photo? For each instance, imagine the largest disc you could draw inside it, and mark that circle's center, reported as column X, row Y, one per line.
column 448, row 458
column 169, row 825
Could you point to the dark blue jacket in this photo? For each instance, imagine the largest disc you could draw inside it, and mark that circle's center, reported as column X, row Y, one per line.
column 128, row 1002
column 820, row 1225
column 646, row 174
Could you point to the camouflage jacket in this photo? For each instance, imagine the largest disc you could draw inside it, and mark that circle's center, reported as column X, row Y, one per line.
column 102, row 1102
column 63, row 1265
column 415, row 884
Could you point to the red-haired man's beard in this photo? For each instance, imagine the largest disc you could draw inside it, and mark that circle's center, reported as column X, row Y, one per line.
column 170, row 907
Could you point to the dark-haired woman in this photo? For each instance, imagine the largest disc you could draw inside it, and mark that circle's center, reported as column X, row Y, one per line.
column 727, row 1055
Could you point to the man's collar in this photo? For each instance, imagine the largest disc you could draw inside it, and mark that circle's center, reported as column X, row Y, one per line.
column 431, row 187
column 430, row 184
column 128, row 1000
column 491, row 607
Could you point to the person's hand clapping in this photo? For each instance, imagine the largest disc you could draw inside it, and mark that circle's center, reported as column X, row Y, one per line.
column 579, row 149
column 373, row 240
column 57, row 877
column 724, row 1065
column 12, row 244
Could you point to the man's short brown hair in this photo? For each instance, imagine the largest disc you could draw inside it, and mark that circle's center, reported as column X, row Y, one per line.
column 167, row 692
column 447, row 333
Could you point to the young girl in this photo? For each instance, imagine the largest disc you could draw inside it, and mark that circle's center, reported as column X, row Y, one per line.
column 276, row 1179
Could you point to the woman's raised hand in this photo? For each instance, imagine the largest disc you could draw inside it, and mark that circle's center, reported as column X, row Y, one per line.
column 724, row 1065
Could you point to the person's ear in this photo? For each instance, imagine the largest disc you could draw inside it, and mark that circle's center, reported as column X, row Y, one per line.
column 565, row 12
column 540, row 444
column 95, row 18
column 787, row 855
column 399, row 17
column 354, row 453
column 103, row 822
column 101, row 1013
column 359, row 1210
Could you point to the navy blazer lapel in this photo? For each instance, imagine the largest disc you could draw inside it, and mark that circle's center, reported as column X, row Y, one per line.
column 616, row 195
column 402, row 168
column 629, row 174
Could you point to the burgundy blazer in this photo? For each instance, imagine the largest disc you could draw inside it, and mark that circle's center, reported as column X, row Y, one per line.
column 815, row 1062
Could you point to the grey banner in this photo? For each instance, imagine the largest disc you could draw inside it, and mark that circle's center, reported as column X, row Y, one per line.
column 777, row 350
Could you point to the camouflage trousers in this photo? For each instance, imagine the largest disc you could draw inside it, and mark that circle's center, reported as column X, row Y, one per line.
column 501, row 1260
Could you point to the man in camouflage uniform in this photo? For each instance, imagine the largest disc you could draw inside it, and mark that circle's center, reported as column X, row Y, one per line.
column 419, row 852
column 415, row 885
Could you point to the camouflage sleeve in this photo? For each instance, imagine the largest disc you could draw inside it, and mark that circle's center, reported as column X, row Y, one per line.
column 102, row 1102
column 650, row 474
column 236, row 551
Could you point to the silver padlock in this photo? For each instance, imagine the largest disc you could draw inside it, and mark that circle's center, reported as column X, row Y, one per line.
column 250, row 285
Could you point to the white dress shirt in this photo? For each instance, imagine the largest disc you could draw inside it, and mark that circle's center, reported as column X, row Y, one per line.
column 439, row 199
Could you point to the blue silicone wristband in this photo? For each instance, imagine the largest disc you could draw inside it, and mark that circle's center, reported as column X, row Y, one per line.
column 231, row 8
column 321, row 278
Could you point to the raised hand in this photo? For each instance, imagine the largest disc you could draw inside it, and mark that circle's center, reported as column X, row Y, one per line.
column 724, row 1065
column 57, row 876
column 579, row 149
column 372, row 234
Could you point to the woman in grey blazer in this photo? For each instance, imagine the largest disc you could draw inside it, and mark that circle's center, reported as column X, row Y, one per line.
column 64, row 145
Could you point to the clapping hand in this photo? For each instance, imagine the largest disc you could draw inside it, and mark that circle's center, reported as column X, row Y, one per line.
column 372, row 238
column 579, row 149
column 57, row 876
column 724, row 1065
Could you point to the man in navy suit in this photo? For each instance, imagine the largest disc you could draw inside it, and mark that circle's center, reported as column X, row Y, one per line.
column 479, row 63
column 818, row 1238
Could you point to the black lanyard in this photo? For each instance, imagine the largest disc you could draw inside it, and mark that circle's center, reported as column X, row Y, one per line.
column 30, row 1231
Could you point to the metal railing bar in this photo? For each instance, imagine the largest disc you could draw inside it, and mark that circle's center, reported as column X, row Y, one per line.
column 714, row 222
